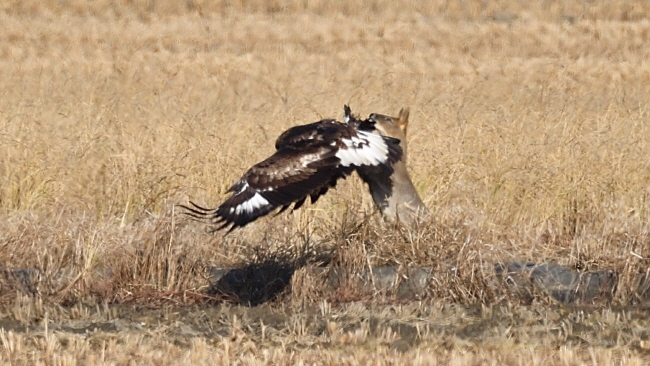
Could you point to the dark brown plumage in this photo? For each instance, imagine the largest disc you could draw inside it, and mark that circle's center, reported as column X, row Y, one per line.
column 309, row 160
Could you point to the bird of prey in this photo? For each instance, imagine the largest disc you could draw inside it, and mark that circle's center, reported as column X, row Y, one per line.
column 308, row 161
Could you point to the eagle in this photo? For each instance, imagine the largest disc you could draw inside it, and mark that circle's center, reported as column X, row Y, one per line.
column 308, row 161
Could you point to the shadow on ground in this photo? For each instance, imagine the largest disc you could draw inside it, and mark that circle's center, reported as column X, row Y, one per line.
column 260, row 281
column 257, row 283
column 254, row 283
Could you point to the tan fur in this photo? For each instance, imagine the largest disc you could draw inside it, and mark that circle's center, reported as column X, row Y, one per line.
column 393, row 192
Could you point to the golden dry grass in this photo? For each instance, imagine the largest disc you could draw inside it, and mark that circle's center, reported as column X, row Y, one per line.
column 352, row 334
column 529, row 140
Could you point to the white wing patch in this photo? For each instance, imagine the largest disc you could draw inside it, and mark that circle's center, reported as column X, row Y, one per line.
column 366, row 149
column 243, row 187
column 251, row 205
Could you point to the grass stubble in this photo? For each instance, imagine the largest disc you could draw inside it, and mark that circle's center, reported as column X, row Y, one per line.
column 529, row 141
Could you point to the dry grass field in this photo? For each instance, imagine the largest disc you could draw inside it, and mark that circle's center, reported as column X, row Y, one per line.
column 529, row 141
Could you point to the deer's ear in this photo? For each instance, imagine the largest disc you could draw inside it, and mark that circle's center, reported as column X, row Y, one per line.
column 403, row 121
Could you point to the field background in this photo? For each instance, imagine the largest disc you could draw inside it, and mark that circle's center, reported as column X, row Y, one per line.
column 529, row 140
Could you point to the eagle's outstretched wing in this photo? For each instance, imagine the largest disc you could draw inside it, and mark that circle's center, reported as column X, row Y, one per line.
column 309, row 160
